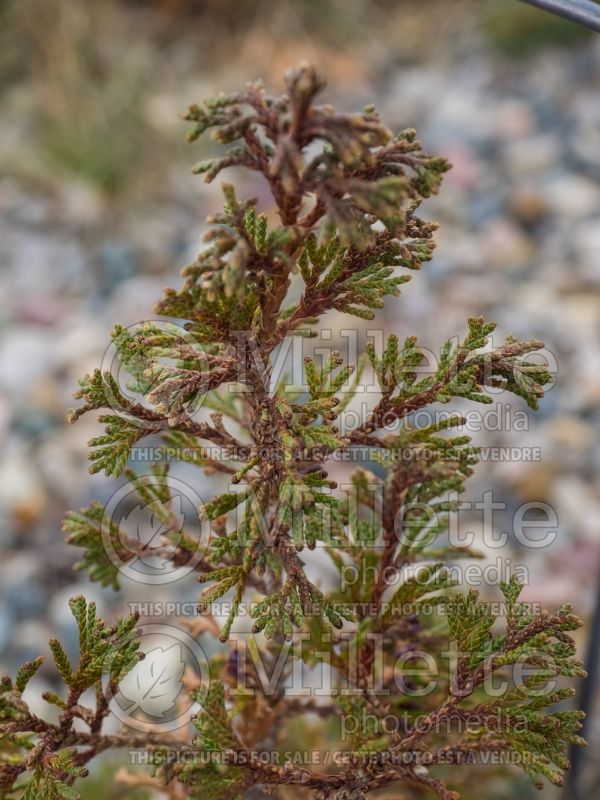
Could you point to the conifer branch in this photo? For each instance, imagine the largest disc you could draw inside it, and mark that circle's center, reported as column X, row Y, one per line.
column 347, row 192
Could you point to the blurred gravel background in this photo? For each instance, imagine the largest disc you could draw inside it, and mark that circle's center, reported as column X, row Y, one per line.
column 98, row 210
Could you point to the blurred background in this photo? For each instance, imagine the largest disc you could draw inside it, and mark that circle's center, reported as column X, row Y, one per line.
column 99, row 210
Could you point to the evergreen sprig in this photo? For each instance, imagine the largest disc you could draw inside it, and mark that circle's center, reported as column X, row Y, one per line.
column 347, row 192
column 39, row 759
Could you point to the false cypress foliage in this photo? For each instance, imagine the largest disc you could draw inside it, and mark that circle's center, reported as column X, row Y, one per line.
column 42, row 760
column 348, row 193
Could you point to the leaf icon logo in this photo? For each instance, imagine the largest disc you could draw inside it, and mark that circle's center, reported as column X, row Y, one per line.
column 149, row 528
column 152, row 685
column 144, row 532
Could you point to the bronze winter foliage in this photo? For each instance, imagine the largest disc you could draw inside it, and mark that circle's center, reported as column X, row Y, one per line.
column 348, row 193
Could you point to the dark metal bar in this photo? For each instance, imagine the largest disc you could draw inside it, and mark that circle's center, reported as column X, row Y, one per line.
column 586, row 12
column 573, row 788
